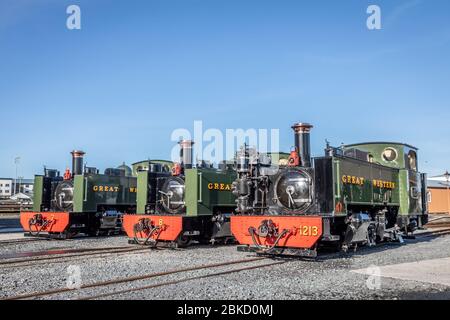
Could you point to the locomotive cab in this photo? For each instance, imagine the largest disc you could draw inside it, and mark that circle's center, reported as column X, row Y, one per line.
column 412, row 205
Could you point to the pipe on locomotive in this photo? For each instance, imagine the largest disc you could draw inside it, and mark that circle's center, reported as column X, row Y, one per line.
column 77, row 162
column 302, row 142
column 186, row 154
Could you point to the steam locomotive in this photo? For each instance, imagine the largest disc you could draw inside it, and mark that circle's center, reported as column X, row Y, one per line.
column 81, row 201
column 179, row 203
column 359, row 194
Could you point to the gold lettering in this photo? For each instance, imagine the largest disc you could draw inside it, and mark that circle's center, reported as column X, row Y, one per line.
column 219, row 186
column 353, row 180
column 384, row 184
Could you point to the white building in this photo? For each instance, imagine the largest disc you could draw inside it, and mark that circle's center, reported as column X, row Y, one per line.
column 25, row 186
column 6, row 187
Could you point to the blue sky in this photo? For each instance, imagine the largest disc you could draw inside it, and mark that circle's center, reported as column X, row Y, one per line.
column 137, row 70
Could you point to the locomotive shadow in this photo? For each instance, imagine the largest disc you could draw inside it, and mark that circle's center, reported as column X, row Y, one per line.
column 10, row 222
column 328, row 254
column 324, row 253
column 10, row 225
column 195, row 246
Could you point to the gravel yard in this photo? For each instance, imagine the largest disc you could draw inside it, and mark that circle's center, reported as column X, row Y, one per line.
column 330, row 276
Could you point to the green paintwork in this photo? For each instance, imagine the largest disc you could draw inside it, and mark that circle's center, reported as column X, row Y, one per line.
column 409, row 204
column 88, row 200
column 404, row 201
column 142, row 192
column 367, row 193
column 376, row 150
column 200, row 200
column 38, row 193
column 78, row 193
column 408, row 176
column 279, row 158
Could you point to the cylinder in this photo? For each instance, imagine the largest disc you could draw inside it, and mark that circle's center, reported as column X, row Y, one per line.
column 77, row 162
column 186, row 154
column 302, row 142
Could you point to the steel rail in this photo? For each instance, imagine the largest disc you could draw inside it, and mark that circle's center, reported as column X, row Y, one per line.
column 165, row 273
column 64, row 256
column 98, row 255
column 51, row 252
column 209, row 275
column 131, row 279
column 431, row 233
column 18, row 241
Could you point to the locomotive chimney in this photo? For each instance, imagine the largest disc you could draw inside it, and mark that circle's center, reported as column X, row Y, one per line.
column 77, row 162
column 186, row 155
column 302, row 142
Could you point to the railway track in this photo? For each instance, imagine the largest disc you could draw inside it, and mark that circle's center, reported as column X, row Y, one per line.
column 167, row 283
column 210, row 267
column 56, row 251
column 151, row 276
column 65, row 255
column 438, row 225
column 19, row 241
column 439, row 231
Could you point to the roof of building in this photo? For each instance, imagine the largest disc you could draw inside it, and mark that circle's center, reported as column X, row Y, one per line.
column 26, row 181
column 20, row 196
column 437, row 184
column 23, row 181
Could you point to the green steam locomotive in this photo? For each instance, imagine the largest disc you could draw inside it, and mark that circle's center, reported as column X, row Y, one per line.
column 178, row 203
column 356, row 194
column 81, row 201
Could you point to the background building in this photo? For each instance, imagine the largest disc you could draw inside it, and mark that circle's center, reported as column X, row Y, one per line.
column 438, row 197
column 6, row 188
column 24, row 186
column 9, row 187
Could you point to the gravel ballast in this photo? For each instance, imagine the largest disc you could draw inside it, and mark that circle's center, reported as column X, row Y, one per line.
column 329, row 276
